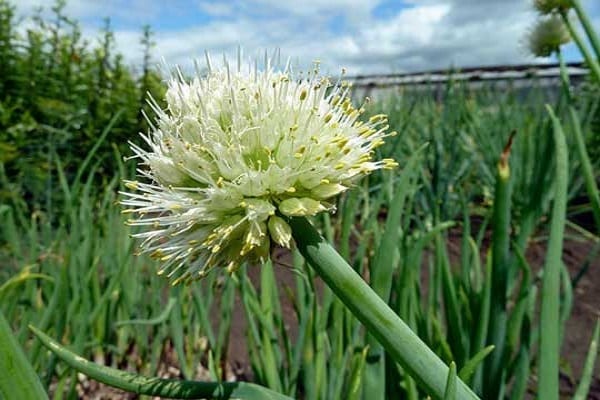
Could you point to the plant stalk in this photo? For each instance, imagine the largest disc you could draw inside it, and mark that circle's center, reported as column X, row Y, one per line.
column 587, row 56
column 549, row 318
column 18, row 379
column 493, row 380
column 169, row 388
column 587, row 26
column 402, row 344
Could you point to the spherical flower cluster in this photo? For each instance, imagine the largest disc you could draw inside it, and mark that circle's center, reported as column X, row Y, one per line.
column 547, row 36
column 237, row 151
column 549, row 6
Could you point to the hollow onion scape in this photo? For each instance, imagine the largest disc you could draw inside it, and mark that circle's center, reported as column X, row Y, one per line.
column 236, row 150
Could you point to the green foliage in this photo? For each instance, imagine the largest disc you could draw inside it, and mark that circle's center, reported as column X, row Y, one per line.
column 169, row 388
column 18, row 379
column 79, row 280
column 66, row 111
column 57, row 94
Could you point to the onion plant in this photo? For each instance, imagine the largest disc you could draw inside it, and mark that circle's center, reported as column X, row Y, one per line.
column 385, row 304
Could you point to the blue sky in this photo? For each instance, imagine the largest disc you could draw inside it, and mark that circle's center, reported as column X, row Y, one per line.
column 360, row 35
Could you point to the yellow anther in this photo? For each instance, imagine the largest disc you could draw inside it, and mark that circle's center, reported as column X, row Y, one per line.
column 131, row 185
column 378, row 117
column 377, row 142
column 158, row 253
column 346, row 104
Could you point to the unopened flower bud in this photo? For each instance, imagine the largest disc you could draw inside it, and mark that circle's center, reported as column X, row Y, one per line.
column 280, row 231
column 300, row 207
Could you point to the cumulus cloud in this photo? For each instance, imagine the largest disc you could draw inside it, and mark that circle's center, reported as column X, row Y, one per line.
column 90, row 9
column 418, row 35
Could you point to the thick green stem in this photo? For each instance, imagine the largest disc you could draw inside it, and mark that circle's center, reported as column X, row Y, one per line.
column 549, row 318
column 381, row 271
column 401, row 343
column 169, row 388
column 586, row 167
column 493, row 381
column 18, row 380
column 587, row 26
column 590, row 60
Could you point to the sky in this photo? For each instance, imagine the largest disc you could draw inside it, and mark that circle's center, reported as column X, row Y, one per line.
column 362, row 36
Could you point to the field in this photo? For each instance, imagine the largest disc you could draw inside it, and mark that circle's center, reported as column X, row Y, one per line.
column 494, row 188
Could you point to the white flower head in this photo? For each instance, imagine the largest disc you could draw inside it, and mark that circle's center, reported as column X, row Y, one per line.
column 547, row 36
column 235, row 151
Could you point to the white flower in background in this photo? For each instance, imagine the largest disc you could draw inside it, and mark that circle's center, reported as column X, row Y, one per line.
column 547, row 36
column 237, row 150
column 546, row 7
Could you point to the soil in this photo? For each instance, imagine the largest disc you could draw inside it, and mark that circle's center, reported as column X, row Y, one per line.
column 585, row 313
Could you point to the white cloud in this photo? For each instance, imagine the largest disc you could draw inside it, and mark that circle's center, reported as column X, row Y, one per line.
column 313, row 9
column 82, row 9
column 425, row 34
column 412, row 28
column 216, row 9
column 368, row 46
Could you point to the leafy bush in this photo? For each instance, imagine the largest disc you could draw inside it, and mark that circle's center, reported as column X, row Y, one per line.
column 58, row 93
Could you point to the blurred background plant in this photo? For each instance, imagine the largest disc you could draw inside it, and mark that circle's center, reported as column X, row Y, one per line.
column 58, row 93
column 447, row 242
